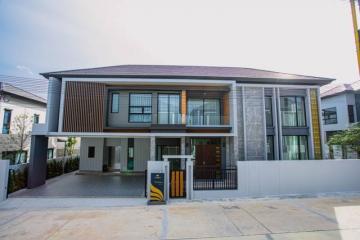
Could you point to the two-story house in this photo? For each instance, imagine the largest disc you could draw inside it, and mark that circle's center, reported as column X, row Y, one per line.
column 129, row 114
column 14, row 102
column 340, row 106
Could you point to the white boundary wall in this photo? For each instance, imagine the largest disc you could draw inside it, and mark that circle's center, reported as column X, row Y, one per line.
column 4, row 176
column 284, row 178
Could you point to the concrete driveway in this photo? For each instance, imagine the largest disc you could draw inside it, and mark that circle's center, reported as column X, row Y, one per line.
column 311, row 218
column 73, row 185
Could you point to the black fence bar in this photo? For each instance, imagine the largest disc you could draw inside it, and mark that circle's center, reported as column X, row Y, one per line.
column 215, row 179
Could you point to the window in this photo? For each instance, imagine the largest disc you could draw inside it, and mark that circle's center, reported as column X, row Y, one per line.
column 130, row 160
column 15, row 157
column 6, row 122
column 329, row 115
column 169, row 109
column 91, row 152
column 36, row 118
column 351, row 113
column 295, row 148
column 204, row 112
column 140, row 108
column 50, row 153
column 270, row 147
column 293, row 112
column 115, row 103
column 268, row 111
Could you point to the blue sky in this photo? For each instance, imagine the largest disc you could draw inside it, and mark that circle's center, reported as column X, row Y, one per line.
column 312, row 37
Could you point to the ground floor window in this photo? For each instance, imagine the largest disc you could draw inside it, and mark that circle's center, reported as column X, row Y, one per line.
column 295, row 148
column 270, row 147
column 15, row 157
column 50, row 153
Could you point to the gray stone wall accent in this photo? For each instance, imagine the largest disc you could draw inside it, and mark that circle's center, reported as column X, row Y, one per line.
column 254, row 123
column 240, row 127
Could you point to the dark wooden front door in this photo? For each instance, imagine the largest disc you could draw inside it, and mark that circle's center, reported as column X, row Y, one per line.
column 208, row 157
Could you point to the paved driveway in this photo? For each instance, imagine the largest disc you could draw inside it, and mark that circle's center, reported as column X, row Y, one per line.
column 72, row 185
column 274, row 219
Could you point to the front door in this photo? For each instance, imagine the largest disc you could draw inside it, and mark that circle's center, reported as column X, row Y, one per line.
column 208, row 160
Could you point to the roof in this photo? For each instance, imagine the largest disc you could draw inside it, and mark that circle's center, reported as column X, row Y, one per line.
column 8, row 88
column 189, row 72
column 341, row 88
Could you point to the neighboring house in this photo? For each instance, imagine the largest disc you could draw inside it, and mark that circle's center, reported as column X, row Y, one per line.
column 129, row 114
column 340, row 109
column 14, row 102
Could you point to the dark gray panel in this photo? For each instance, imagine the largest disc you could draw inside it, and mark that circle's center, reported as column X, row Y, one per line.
column 38, row 161
column 295, row 131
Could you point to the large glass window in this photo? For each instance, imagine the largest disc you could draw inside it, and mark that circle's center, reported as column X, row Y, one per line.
column 169, row 109
column 270, row 147
column 293, row 111
column 268, row 111
column 115, row 102
column 140, row 107
column 204, row 112
column 15, row 157
column 6, row 121
column 329, row 115
column 295, row 148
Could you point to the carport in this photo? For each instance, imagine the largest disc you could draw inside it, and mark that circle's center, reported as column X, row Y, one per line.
column 89, row 185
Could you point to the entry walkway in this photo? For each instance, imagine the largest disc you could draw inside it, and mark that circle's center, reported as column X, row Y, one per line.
column 73, row 185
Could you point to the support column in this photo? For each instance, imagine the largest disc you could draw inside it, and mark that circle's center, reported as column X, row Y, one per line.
column 152, row 149
column 38, row 161
column 182, row 147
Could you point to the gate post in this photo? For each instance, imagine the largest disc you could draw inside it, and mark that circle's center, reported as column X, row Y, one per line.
column 189, row 178
column 4, row 177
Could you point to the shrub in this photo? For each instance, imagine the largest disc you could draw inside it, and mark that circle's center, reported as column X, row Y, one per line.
column 17, row 179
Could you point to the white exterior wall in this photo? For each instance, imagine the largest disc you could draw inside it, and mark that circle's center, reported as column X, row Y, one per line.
column 91, row 164
column 284, row 178
column 18, row 106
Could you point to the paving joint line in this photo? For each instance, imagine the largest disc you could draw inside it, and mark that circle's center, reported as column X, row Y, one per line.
column 263, row 225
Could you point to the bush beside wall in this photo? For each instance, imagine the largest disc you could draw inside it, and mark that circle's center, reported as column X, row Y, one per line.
column 17, row 179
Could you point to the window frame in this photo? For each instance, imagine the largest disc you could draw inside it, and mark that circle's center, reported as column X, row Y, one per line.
column 272, row 146
column 351, row 114
column 8, row 124
column 91, row 152
column 203, row 109
column 52, row 153
column 112, row 102
column 142, row 109
column 168, row 107
column 298, row 146
column 271, row 111
column 36, row 117
column 327, row 121
column 296, row 112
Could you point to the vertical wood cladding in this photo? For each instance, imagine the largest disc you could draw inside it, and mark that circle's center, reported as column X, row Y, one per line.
column 84, row 107
column 183, row 106
column 225, row 102
column 315, row 123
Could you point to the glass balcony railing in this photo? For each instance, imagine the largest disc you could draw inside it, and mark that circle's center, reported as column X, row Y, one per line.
column 200, row 120
column 169, row 118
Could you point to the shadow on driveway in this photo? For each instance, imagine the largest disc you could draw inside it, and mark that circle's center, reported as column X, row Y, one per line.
column 72, row 185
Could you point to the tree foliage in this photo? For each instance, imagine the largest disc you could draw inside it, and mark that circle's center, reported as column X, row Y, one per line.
column 347, row 138
column 70, row 146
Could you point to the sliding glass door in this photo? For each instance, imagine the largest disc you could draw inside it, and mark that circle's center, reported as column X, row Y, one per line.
column 204, row 112
column 169, row 109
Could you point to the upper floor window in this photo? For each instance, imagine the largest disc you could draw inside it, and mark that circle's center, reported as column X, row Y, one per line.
column 6, row 121
column 329, row 115
column 293, row 111
column 169, row 109
column 140, row 107
column 115, row 102
column 351, row 113
column 204, row 112
column 268, row 111
column 36, row 118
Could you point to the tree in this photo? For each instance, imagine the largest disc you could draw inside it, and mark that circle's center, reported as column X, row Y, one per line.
column 20, row 133
column 347, row 138
column 70, row 146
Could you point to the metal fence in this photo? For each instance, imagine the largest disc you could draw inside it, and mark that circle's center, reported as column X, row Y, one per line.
column 215, row 179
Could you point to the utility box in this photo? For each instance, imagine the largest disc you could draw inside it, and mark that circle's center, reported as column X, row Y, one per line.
column 4, row 177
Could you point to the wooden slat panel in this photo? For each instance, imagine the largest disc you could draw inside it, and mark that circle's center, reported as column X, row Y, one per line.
column 181, row 180
column 225, row 101
column 84, row 107
column 183, row 107
column 172, row 184
column 315, row 118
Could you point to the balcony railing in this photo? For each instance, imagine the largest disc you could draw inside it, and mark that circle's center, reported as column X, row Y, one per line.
column 169, row 118
column 209, row 120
